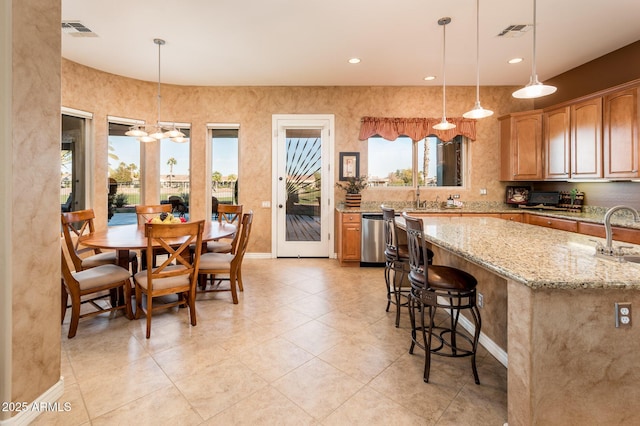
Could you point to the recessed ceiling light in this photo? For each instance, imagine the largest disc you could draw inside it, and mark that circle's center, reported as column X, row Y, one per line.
column 430, row 77
column 515, row 60
column 354, row 60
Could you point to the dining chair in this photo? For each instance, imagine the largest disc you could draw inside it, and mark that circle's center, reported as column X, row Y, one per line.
column 144, row 214
column 178, row 274
column 93, row 281
column 227, row 213
column 226, row 263
column 78, row 226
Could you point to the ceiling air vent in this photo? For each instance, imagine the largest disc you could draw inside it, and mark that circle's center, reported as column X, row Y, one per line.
column 515, row 30
column 76, row 29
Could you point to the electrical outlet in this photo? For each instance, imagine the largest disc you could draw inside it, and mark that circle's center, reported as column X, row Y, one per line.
column 623, row 314
column 456, row 196
column 483, row 191
column 480, row 300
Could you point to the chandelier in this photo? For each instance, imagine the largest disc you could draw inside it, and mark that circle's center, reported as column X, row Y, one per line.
column 152, row 133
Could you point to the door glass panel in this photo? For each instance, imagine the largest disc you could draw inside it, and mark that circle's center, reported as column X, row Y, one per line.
column 303, row 184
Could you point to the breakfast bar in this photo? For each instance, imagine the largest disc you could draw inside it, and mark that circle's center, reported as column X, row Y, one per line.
column 549, row 314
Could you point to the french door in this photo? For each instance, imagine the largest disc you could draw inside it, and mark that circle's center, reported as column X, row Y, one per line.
column 302, row 186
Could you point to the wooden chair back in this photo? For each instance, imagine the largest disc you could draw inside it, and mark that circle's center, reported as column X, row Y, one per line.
column 146, row 213
column 175, row 240
column 76, row 227
column 243, row 239
column 232, row 214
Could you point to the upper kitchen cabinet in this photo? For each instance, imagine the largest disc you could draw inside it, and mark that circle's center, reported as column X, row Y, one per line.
column 521, row 146
column 620, row 134
column 557, row 143
column 586, row 139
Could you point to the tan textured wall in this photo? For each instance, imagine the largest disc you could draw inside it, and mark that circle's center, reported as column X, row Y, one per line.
column 105, row 94
column 34, row 207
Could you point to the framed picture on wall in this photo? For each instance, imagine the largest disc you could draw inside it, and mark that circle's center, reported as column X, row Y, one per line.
column 518, row 194
column 349, row 165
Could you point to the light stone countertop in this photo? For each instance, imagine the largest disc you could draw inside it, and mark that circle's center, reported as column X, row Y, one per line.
column 591, row 214
column 535, row 256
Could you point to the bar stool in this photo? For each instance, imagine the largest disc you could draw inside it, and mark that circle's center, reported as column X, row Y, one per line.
column 396, row 263
column 456, row 290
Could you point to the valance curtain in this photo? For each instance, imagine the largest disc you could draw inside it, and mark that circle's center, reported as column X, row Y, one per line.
column 415, row 128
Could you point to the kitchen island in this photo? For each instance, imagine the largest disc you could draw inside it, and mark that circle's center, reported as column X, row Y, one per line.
column 549, row 303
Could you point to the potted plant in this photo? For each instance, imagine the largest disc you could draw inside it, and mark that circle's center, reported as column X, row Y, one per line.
column 353, row 186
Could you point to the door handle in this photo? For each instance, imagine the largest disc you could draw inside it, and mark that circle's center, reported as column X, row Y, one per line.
column 279, row 205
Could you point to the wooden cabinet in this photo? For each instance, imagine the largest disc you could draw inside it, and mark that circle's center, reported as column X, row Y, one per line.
column 620, row 134
column 586, row 139
column 552, row 222
column 349, row 236
column 557, row 143
column 514, row 217
column 521, row 146
column 627, row 235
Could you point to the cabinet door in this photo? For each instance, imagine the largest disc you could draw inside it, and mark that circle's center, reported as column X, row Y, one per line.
column 351, row 241
column 557, row 133
column 620, row 138
column 586, row 139
column 521, row 146
column 551, row 222
column 514, row 217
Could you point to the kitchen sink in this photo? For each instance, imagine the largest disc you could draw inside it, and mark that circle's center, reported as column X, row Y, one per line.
column 631, row 258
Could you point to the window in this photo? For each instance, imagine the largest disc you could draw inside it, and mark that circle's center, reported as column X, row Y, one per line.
column 174, row 169
column 73, row 151
column 403, row 163
column 224, row 166
column 124, row 175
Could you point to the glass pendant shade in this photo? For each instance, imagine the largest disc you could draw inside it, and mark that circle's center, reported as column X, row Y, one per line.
column 534, row 89
column 147, row 139
column 444, row 124
column 478, row 112
column 136, row 132
column 173, row 133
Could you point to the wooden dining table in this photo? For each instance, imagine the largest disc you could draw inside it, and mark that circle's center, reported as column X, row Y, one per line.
column 124, row 238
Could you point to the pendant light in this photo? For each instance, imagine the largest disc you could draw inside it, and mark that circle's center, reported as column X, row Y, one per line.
column 444, row 124
column 157, row 132
column 534, row 89
column 478, row 112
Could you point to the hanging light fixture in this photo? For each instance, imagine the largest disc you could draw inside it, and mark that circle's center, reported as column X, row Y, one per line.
column 146, row 133
column 534, row 89
column 478, row 112
column 444, row 124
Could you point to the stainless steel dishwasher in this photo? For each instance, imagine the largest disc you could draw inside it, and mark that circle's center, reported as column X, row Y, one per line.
column 372, row 243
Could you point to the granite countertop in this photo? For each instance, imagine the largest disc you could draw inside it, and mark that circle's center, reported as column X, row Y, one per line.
column 535, row 256
column 589, row 214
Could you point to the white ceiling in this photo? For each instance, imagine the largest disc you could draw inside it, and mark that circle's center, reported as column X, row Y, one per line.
column 308, row 42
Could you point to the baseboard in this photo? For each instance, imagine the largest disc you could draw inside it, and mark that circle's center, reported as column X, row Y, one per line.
column 258, row 255
column 491, row 346
column 45, row 402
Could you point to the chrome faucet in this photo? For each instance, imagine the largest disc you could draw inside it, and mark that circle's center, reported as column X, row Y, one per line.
column 607, row 225
column 418, row 197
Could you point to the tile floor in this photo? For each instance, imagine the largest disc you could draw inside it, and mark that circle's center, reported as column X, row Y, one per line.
column 309, row 343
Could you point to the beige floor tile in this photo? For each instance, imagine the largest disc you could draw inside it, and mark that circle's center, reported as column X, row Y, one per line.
column 308, row 343
column 267, row 407
column 120, row 384
column 315, row 337
column 317, row 387
column 368, row 407
column 274, row 358
column 165, row 406
column 216, row 388
column 70, row 411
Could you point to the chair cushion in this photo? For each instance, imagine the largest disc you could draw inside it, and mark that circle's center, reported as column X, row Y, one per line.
column 103, row 259
column 100, row 276
column 218, row 247
column 448, row 278
column 163, row 283
column 215, row 261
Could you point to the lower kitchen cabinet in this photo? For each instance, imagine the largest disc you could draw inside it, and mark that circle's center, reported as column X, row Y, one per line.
column 552, row 222
column 626, row 235
column 349, row 236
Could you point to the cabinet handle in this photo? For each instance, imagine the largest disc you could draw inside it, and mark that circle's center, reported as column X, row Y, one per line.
column 548, row 222
column 634, row 171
